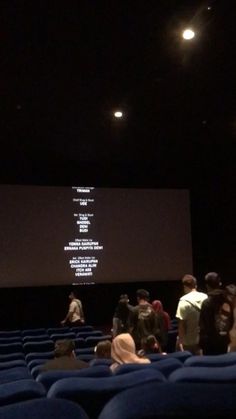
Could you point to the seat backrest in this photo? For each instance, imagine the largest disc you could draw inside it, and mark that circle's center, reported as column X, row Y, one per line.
column 53, row 330
column 79, row 343
column 14, row 374
column 211, row 360
column 39, row 355
column 100, row 361
column 93, row 393
column 10, row 333
column 48, row 409
column 20, row 390
column 12, row 364
column 204, row 375
column 33, row 332
column 79, row 329
column 10, row 339
column 12, row 357
column 43, row 346
column 48, row 378
column 166, row 367
column 92, row 333
column 93, row 340
column 11, row 348
column 173, row 401
column 36, row 338
column 59, row 336
column 35, row 363
column 86, row 351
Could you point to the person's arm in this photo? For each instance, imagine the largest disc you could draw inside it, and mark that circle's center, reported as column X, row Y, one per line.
column 180, row 314
column 81, row 312
column 181, row 333
column 69, row 314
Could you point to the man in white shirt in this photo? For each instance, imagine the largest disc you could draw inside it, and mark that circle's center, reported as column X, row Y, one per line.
column 75, row 315
column 188, row 313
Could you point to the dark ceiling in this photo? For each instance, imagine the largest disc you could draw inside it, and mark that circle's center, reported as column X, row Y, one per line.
column 66, row 66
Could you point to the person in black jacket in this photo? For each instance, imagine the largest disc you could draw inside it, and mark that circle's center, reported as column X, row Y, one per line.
column 121, row 316
column 216, row 318
column 144, row 321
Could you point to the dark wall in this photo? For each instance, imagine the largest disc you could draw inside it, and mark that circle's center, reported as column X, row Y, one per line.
column 47, row 306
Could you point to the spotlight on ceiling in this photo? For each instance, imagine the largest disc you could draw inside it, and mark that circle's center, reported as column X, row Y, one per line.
column 118, row 114
column 188, row 34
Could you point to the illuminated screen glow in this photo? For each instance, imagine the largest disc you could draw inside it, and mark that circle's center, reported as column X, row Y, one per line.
column 65, row 235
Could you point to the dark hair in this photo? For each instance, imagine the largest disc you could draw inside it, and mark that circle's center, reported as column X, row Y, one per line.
column 144, row 294
column 103, row 349
column 74, row 292
column 189, row 281
column 64, row 348
column 213, row 280
column 150, row 344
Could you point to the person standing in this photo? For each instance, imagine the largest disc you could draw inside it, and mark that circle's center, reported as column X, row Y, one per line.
column 75, row 315
column 188, row 313
column 144, row 321
column 216, row 318
column 121, row 316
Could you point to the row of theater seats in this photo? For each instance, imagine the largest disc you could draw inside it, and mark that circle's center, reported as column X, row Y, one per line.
column 43, row 340
column 97, row 382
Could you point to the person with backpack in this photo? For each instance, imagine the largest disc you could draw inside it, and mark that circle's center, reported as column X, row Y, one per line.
column 144, row 321
column 75, row 315
column 188, row 313
column 216, row 318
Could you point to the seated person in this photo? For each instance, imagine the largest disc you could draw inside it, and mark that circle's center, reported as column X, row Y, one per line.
column 65, row 358
column 123, row 351
column 103, row 349
column 150, row 345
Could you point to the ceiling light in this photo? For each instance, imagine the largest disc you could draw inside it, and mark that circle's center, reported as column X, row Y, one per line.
column 118, row 114
column 188, row 34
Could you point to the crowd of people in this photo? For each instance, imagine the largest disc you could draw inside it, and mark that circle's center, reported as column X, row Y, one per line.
column 206, row 325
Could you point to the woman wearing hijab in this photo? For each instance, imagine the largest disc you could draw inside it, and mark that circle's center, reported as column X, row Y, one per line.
column 123, row 351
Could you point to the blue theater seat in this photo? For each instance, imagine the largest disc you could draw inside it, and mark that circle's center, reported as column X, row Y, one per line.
column 43, row 408
column 79, row 329
column 61, row 336
column 39, row 355
column 48, row 378
column 10, row 348
column 14, row 374
column 53, row 330
column 12, row 357
column 173, row 401
column 93, row 393
column 100, row 361
column 36, row 338
column 212, row 360
column 12, row 364
column 36, row 363
column 20, row 390
column 166, row 367
column 181, row 356
column 43, row 346
column 34, row 332
column 93, row 333
column 10, row 333
column 204, row 375
column 7, row 340
column 79, row 343
column 86, row 351
column 94, row 340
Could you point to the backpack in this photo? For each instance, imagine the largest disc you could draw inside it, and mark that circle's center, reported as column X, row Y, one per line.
column 223, row 318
